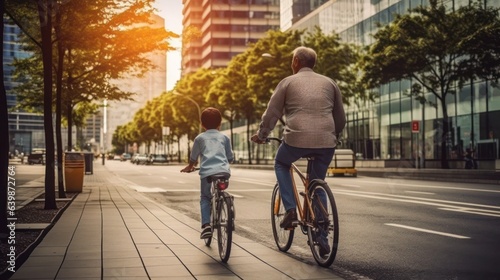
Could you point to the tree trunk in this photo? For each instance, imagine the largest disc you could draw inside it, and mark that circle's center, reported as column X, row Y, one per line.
column 4, row 141
column 44, row 12
column 249, row 143
column 444, row 137
column 59, row 76
column 69, row 117
column 178, row 150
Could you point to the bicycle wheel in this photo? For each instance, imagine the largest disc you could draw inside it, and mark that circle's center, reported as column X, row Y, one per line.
column 282, row 237
column 324, row 236
column 225, row 226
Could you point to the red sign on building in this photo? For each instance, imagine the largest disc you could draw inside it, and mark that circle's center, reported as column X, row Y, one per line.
column 415, row 126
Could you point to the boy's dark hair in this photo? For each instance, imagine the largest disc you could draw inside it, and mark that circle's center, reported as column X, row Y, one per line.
column 211, row 118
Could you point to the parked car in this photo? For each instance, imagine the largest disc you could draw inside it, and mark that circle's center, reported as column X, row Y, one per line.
column 125, row 157
column 36, row 158
column 157, row 158
column 141, row 159
column 134, row 158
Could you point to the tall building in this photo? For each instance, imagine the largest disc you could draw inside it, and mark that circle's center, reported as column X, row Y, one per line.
column 292, row 11
column 151, row 85
column 222, row 29
column 382, row 130
column 26, row 130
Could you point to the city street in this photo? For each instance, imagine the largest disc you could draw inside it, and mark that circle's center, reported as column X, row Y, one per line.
column 389, row 228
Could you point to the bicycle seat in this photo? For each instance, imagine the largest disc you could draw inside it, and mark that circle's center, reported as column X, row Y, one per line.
column 223, row 176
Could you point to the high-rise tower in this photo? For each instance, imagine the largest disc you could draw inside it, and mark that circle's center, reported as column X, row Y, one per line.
column 217, row 30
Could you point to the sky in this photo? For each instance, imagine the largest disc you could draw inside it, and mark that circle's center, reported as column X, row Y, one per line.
column 171, row 11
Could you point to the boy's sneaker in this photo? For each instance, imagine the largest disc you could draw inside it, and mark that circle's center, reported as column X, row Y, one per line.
column 206, row 232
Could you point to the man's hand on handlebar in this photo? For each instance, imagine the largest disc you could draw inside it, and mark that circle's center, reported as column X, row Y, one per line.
column 255, row 139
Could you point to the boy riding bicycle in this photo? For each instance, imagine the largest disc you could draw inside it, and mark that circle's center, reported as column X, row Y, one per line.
column 215, row 153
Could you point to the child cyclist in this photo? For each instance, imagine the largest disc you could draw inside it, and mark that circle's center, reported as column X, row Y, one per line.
column 215, row 153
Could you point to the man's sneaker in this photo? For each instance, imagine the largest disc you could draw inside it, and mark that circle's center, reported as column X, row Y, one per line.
column 289, row 219
column 324, row 248
column 206, row 232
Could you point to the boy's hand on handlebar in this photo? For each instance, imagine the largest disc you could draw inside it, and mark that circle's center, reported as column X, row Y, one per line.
column 255, row 139
column 188, row 169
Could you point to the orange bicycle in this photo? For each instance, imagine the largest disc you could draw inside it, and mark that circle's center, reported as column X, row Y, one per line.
column 317, row 216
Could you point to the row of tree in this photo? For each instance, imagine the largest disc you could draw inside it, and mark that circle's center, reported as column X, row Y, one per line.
column 78, row 48
column 437, row 50
column 240, row 90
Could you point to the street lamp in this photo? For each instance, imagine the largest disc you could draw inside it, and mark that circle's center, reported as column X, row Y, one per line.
column 195, row 103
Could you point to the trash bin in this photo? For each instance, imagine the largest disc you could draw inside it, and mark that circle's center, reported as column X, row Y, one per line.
column 74, row 166
column 89, row 163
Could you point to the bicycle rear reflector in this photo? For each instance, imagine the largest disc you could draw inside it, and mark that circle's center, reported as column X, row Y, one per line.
column 222, row 184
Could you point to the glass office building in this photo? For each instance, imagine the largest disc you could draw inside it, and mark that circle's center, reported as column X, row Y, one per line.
column 382, row 130
column 26, row 130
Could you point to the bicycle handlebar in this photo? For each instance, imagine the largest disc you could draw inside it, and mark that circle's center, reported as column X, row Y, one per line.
column 268, row 140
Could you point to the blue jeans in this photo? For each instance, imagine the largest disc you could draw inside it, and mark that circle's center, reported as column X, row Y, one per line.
column 286, row 155
column 205, row 200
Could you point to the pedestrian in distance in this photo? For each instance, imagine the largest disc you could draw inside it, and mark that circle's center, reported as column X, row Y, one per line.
column 314, row 118
column 214, row 151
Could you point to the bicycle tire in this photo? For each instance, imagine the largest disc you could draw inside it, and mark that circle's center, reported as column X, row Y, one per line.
column 282, row 237
column 325, row 231
column 225, row 226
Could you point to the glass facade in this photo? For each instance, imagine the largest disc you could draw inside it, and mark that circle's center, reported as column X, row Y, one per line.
column 26, row 130
column 382, row 130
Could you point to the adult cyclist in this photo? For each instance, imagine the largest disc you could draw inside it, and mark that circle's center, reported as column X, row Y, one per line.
column 314, row 117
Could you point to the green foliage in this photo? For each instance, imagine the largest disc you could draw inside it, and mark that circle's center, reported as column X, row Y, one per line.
column 436, row 50
column 102, row 40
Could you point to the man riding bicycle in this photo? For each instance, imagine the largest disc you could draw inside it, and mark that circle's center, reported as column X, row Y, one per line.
column 314, row 117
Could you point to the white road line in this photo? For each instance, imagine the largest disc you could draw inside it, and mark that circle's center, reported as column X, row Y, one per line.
column 431, row 187
column 429, row 231
column 252, row 190
column 440, row 204
column 473, row 211
column 255, row 182
column 235, row 195
column 420, row 192
column 352, row 186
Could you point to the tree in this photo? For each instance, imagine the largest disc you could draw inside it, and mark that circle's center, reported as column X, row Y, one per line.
column 101, row 41
column 45, row 15
column 436, row 50
column 4, row 141
column 338, row 61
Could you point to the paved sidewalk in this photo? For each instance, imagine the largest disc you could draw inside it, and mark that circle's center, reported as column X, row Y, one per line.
column 112, row 232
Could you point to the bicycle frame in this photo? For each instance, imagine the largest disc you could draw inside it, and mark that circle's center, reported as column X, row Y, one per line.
column 307, row 203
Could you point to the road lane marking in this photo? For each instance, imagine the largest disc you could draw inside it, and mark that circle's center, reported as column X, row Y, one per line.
column 420, row 192
column 482, row 212
column 431, row 187
column 446, row 204
column 254, row 182
column 352, row 186
column 252, row 190
column 429, row 231
column 146, row 189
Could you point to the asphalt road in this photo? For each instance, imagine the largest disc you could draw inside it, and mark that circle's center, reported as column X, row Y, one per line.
column 389, row 228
